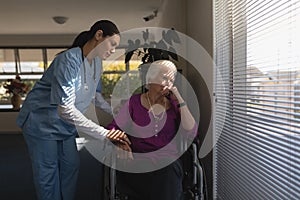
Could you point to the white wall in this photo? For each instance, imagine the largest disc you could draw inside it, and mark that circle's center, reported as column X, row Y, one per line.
column 200, row 27
column 8, row 122
column 195, row 19
column 36, row 40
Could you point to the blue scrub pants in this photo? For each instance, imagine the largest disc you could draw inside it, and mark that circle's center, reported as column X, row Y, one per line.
column 55, row 165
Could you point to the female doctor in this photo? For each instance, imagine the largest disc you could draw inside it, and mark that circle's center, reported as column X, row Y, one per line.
column 53, row 111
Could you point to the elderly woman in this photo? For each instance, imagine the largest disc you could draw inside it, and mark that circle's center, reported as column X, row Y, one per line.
column 152, row 120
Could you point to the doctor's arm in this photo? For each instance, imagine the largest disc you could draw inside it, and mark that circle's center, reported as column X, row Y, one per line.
column 63, row 95
column 72, row 115
column 101, row 103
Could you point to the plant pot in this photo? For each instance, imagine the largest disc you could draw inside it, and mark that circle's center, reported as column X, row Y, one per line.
column 16, row 101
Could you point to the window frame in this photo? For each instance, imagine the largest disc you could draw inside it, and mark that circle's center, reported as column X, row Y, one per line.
column 5, row 104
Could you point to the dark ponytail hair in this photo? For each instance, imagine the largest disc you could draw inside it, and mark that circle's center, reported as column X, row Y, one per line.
column 108, row 28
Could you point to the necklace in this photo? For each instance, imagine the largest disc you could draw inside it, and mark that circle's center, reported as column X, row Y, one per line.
column 151, row 109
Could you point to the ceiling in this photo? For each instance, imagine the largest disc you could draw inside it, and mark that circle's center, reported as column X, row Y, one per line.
column 35, row 16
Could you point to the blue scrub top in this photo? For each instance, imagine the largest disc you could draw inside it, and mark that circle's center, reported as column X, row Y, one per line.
column 63, row 83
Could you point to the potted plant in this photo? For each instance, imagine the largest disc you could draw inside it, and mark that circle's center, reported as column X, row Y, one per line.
column 17, row 88
column 151, row 51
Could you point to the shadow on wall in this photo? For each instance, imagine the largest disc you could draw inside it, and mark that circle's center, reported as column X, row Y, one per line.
column 205, row 104
column 204, row 100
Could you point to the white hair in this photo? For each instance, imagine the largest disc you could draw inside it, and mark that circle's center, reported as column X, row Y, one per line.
column 156, row 68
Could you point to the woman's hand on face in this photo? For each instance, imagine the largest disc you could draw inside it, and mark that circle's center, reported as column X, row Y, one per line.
column 169, row 91
column 118, row 136
column 165, row 91
column 174, row 90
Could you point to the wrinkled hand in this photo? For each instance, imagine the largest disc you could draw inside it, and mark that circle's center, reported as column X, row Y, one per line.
column 123, row 151
column 172, row 92
column 118, row 136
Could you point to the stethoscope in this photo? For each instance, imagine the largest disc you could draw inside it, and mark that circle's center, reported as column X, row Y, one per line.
column 86, row 87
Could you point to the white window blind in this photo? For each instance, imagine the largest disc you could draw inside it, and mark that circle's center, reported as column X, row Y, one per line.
column 257, row 109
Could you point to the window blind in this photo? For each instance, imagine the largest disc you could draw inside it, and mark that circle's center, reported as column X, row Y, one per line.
column 257, row 93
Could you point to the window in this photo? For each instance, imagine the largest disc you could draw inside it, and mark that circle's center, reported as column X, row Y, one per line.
column 257, row 56
column 28, row 63
column 114, row 70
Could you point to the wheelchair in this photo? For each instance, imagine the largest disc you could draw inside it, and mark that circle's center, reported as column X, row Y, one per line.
column 193, row 180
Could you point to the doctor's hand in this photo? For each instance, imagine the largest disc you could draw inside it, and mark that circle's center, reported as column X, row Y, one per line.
column 123, row 151
column 118, row 136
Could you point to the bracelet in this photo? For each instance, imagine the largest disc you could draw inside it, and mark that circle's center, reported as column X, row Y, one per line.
column 181, row 104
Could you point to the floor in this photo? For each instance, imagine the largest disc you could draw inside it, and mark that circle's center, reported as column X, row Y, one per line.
column 16, row 177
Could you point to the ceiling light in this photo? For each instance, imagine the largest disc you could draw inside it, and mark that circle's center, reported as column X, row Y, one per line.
column 60, row 19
